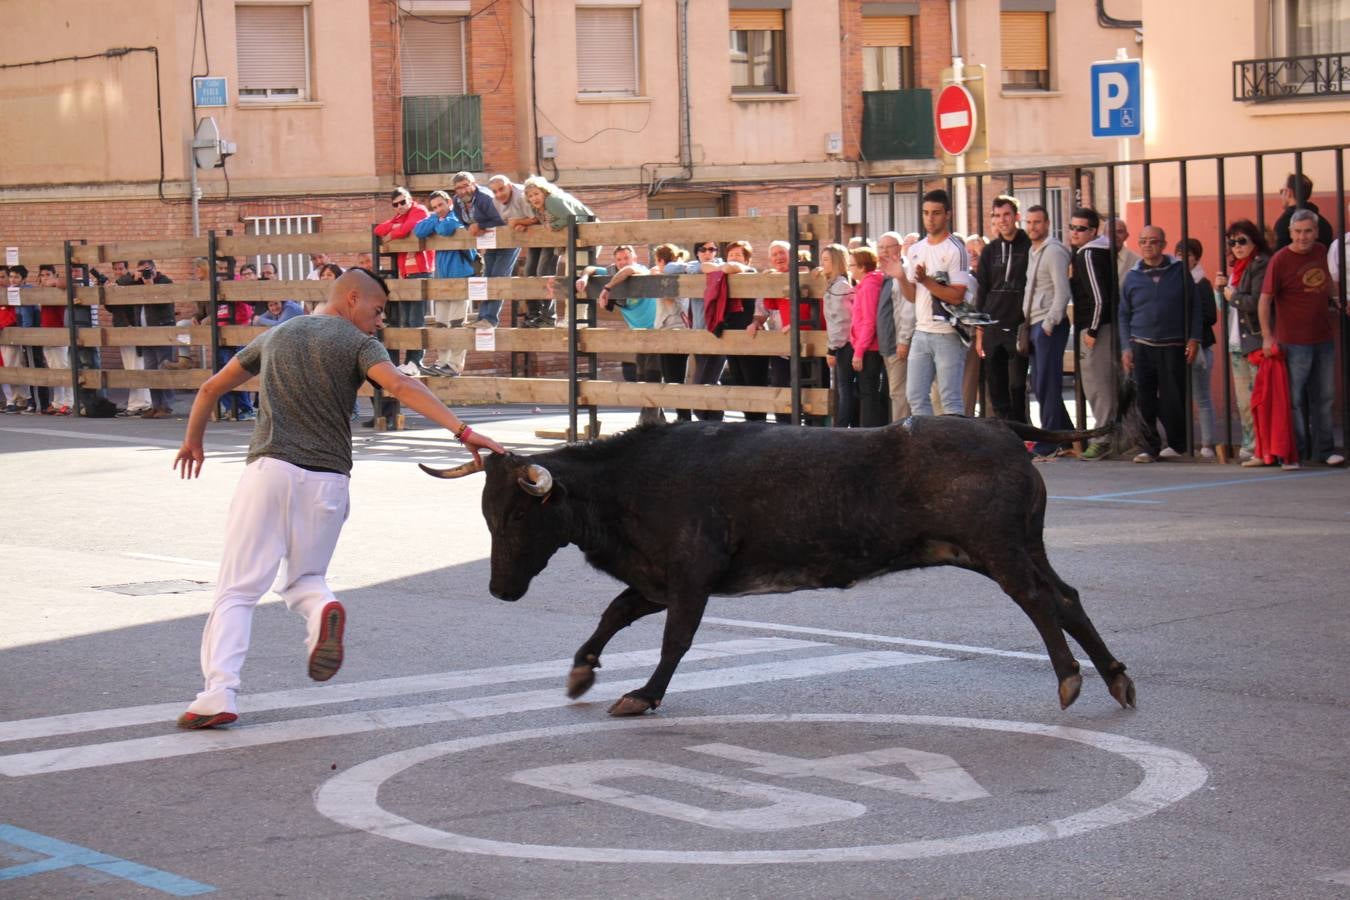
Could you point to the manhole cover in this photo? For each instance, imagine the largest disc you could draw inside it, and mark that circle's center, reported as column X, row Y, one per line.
column 151, row 588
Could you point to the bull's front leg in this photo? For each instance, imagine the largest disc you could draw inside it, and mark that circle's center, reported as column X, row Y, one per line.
column 622, row 611
column 682, row 620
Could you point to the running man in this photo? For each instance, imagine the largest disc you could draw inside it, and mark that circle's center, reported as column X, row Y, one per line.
column 291, row 502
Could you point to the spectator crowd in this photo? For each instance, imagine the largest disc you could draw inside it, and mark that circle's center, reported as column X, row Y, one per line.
column 915, row 324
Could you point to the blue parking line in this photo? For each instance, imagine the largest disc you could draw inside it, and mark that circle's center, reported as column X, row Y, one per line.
column 1256, row 479
column 61, row 855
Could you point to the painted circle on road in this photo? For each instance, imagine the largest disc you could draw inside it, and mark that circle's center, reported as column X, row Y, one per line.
column 352, row 798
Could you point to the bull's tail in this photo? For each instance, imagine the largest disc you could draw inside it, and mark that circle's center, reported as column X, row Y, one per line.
column 1125, row 427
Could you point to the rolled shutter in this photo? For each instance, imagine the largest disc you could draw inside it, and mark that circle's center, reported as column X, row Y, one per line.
column 271, row 51
column 432, row 57
column 607, row 51
column 886, row 31
column 1026, row 40
column 756, row 20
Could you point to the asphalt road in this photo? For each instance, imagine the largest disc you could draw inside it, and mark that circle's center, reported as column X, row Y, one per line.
column 901, row 739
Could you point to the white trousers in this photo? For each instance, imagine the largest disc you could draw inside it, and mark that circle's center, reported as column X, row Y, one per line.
column 12, row 356
column 137, row 398
column 282, row 518
column 447, row 311
column 59, row 358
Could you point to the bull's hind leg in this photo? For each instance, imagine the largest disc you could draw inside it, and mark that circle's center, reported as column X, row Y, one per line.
column 1022, row 580
column 1075, row 621
column 622, row 611
column 682, row 619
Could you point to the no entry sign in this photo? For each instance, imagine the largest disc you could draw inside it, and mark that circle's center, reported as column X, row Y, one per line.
column 955, row 119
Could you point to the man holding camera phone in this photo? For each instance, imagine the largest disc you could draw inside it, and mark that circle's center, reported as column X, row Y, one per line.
column 151, row 315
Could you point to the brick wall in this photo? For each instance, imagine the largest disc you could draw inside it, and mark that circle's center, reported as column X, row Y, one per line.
column 489, row 64
column 384, row 82
column 850, row 52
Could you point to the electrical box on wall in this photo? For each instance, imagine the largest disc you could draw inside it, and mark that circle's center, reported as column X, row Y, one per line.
column 834, row 144
column 548, row 146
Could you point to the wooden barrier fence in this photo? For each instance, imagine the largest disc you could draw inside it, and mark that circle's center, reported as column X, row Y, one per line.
column 579, row 339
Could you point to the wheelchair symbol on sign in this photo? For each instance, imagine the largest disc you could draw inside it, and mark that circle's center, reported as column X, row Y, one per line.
column 1127, row 118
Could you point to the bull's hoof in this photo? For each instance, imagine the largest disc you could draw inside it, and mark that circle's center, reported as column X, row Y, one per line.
column 580, row 680
column 1122, row 688
column 629, row 705
column 1068, row 690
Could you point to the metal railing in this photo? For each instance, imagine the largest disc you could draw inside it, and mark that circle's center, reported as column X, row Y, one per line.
column 1178, row 209
column 1291, row 77
column 442, row 134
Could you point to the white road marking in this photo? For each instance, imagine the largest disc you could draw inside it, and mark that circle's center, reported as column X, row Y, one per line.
column 76, row 723
column 92, row 756
column 886, row 639
column 352, row 798
column 181, row 560
column 1337, row 878
column 98, row 436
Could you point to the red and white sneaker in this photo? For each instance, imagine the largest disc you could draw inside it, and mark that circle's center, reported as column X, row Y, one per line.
column 326, row 657
column 195, row 721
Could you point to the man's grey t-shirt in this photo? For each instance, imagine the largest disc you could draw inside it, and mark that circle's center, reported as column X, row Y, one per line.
column 311, row 368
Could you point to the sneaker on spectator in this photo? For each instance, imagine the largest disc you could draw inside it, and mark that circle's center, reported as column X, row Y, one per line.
column 409, row 369
column 1335, row 459
column 1168, row 453
column 1143, row 457
column 1097, row 451
column 426, row 368
column 1253, row 462
column 1291, row 466
column 1207, row 452
column 248, row 416
column 1244, row 454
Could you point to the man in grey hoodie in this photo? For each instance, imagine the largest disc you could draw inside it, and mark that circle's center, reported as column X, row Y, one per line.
column 1046, row 302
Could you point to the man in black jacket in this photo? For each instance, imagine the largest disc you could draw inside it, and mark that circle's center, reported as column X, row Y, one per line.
column 1002, row 281
column 1095, row 289
column 1295, row 193
column 152, row 315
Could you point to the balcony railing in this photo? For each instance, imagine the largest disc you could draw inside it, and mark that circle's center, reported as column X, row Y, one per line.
column 442, row 134
column 897, row 124
column 1291, row 77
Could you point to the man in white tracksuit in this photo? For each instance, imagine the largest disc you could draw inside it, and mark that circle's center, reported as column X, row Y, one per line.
column 292, row 499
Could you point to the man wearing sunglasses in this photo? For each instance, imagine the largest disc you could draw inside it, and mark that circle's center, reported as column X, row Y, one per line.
column 1095, row 287
column 414, row 264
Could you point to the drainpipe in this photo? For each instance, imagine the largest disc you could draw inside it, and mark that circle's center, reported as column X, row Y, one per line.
column 958, row 77
column 686, row 137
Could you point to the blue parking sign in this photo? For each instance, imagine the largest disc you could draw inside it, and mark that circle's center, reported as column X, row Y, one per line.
column 1117, row 99
column 210, row 90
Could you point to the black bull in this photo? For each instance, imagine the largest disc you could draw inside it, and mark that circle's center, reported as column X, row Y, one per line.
column 681, row 512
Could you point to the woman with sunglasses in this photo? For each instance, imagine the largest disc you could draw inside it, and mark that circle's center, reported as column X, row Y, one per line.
column 1248, row 255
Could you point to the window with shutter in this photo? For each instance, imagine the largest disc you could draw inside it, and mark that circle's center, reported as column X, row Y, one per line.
column 272, row 52
column 888, row 58
column 758, row 51
column 431, row 56
column 1026, row 50
column 607, row 51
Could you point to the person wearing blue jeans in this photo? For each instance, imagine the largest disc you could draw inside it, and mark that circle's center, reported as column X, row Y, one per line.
column 1296, row 291
column 936, row 271
column 1046, row 300
column 509, row 200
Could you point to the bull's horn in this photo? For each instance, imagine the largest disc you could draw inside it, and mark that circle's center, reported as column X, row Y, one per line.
column 539, row 482
column 473, row 465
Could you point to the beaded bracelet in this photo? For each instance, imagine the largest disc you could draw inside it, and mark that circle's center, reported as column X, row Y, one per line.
column 464, row 433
